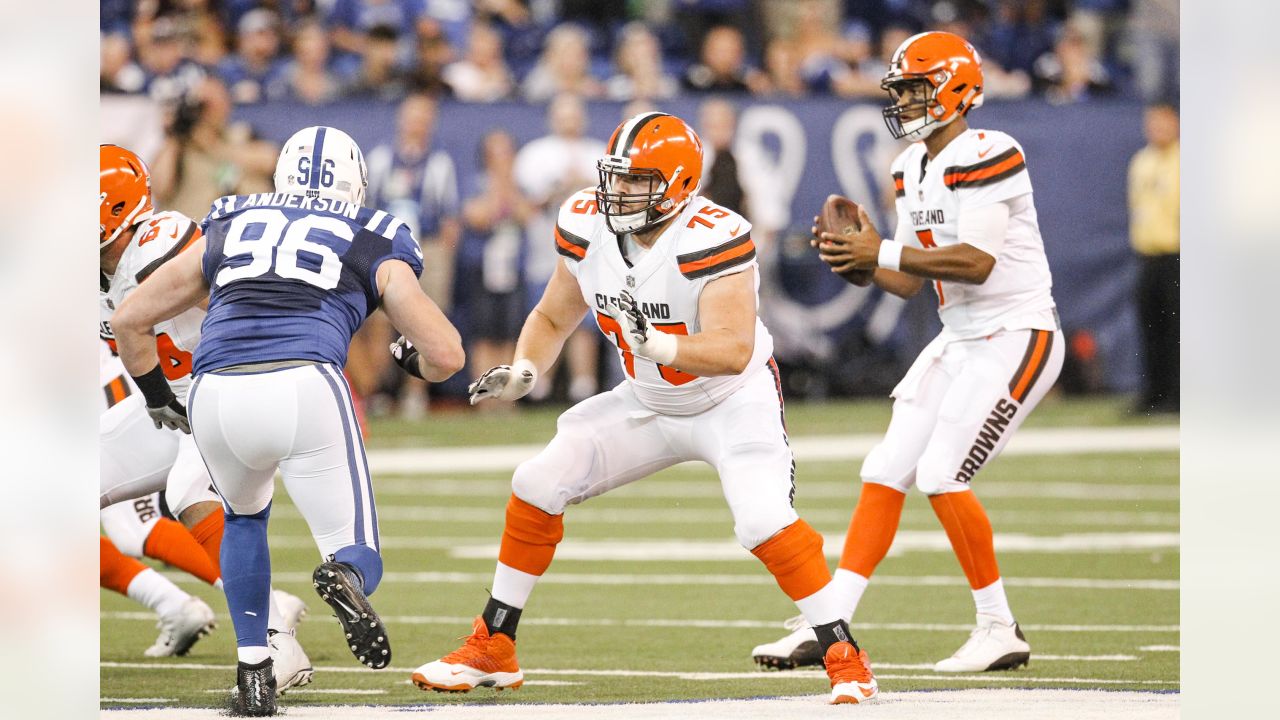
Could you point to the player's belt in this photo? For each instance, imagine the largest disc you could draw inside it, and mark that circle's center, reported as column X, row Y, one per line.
column 261, row 367
column 116, row 390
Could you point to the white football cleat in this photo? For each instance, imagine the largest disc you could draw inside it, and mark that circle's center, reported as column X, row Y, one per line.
column 292, row 609
column 181, row 629
column 993, row 645
column 292, row 666
column 798, row 649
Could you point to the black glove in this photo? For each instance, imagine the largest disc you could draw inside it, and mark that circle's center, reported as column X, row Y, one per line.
column 406, row 356
column 162, row 404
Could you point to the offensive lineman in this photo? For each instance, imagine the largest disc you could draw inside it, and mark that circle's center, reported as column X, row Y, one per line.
column 966, row 224
column 290, row 276
column 670, row 277
column 138, row 455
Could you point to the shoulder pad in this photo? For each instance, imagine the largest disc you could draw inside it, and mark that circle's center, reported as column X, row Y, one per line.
column 987, row 157
column 574, row 223
column 158, row 240
column 713, row 239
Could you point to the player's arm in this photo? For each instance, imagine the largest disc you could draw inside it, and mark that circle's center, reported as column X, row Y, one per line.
column 865, row 249
column 436, row 341
column 727, row 314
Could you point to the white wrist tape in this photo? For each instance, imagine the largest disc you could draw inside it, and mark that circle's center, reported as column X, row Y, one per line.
column 890, row 254
column 516, row 387
column 660, row 348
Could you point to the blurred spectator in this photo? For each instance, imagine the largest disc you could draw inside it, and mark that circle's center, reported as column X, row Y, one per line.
column 782, row 70
column 862, row 68
column 205, row 157
column 699, row 18
column 717, row 125
column 1153, row 48
column 433, row 55
column 1070, row 73
column 564, row 67
column 211, row 41
column 1019, row 32
column 417, row 182
column 453, row 17
column 481, row 76
column 723, row 66
column 521, row 30
column 379, row 76
column 161, row 52
column 118, row 73
column 817, row 43
column 549, row 170
column 489, row 283
column 350, row 21
column 640, row 72
column 1154, row 232
column 997, row 82
column 306, row 77
column 1098, row 22
column 254, row 66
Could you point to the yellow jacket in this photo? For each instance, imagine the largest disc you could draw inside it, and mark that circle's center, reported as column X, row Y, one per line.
column 1154, row 200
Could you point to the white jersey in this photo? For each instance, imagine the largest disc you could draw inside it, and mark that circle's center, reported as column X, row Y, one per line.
column 703, row 243
column 158, row 239
column 977, row 168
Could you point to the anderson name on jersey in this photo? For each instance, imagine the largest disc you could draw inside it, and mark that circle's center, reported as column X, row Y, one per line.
column 292, row 277
column 157, row 240
column 703, row 243
column 978, row 168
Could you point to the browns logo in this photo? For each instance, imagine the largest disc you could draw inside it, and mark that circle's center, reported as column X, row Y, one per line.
column 988, row 436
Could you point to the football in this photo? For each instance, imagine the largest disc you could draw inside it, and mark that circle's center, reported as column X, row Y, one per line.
column 839, row 216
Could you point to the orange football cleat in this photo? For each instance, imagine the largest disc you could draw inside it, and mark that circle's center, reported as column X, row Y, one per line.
column 850, row 673
column 484, row 660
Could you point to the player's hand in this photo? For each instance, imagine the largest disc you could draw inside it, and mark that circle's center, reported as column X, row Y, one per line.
column 859, row 250
column 504, row 382
column 172, row 416
column 406, row 356
column 638, row 333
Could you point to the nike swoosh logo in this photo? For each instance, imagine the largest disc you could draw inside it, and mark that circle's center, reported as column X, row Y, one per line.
column 736, row 228
column 983, row 153
column 354, row 615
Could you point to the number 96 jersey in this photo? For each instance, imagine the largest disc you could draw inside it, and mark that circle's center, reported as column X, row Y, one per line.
column 156, row 241
column 703, row 243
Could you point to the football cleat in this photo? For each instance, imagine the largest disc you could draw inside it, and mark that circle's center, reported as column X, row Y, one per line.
column 850, row 673
column 181, row 629
column 292, row 609
column 292, row 666
column 255, row 692
column 798, row 649
column 484, row 660
column 366, row 636
column 993, row 645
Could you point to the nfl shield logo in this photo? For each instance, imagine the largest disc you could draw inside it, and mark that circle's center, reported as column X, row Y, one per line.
column 631, row 282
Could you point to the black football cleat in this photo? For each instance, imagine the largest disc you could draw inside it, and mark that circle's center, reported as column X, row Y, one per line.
column 339, row 585
column 255, row 693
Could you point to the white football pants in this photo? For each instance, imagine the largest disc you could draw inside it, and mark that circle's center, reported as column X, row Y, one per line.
column 300, row 420
column 127, row 524
column 959, row 404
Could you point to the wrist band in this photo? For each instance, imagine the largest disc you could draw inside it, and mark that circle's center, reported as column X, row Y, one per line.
column 661, row 347
column 890, row 254
column 155, row 388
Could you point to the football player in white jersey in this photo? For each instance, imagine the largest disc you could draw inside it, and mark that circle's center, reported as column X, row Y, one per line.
column 966, row 226
column 144, row 449
column 670, row 278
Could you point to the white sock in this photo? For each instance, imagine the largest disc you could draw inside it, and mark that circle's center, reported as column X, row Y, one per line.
column 991, row 600
column 824, row 606
column 253, row 654
column 274, row 619
column 156, row 592
column 217, row 584
column 850, row 586
column 512, row 586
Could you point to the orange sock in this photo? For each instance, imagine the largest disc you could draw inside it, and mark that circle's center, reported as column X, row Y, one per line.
column 208, row 532
column 171, row 543
column 969, row 531
column 794, row 556
column 115, row 569
column 871, row 529
column 530, row 537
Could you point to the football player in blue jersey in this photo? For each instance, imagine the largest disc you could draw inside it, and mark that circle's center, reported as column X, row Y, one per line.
column 289, row 277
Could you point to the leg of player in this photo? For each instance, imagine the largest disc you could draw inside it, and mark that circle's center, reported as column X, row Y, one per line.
column 184, row 618
column 999, row 380
column 581, row 461
column 137, row 529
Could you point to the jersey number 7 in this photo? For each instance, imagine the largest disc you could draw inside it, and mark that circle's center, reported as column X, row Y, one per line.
column 610, row 327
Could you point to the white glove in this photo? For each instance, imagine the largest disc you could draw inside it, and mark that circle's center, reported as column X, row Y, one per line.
column 504, row 382
column 172, row 416
column 644, row 340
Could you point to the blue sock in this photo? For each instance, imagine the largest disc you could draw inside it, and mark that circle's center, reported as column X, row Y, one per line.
column 246, row 575
column 366, row 561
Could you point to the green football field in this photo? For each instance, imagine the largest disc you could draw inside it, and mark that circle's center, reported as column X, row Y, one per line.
column 651, row 599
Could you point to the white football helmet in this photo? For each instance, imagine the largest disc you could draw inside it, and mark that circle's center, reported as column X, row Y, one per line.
column 322, row 162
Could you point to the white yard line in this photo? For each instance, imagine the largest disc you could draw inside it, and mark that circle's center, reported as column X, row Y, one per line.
column 714, row 624
column 1161, row 648
column 976, row 704
column 1036, row 441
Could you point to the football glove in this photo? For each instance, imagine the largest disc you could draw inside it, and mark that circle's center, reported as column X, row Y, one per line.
column 162, row 404
column 406, row 356
column 639, row 333
column 172, row 416
column 504, row 382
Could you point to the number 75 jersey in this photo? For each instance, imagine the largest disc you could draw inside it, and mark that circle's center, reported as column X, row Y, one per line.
column 292, row 277
column 704, row 243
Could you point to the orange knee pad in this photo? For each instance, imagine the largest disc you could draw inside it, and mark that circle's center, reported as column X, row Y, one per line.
column 530, row 537
column 794, row 556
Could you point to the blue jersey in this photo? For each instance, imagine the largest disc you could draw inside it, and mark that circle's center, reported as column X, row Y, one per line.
column 291, row 277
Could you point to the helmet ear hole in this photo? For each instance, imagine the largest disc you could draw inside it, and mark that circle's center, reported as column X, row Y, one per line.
column 117, row 208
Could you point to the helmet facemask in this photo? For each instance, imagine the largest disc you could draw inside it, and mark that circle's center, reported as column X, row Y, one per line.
column 632, row 199
column 926, row 109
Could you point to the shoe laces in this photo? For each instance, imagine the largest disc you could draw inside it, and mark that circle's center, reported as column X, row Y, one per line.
column 845, row 664
column 796, row 623
column 976, row 636
column 475, row 651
